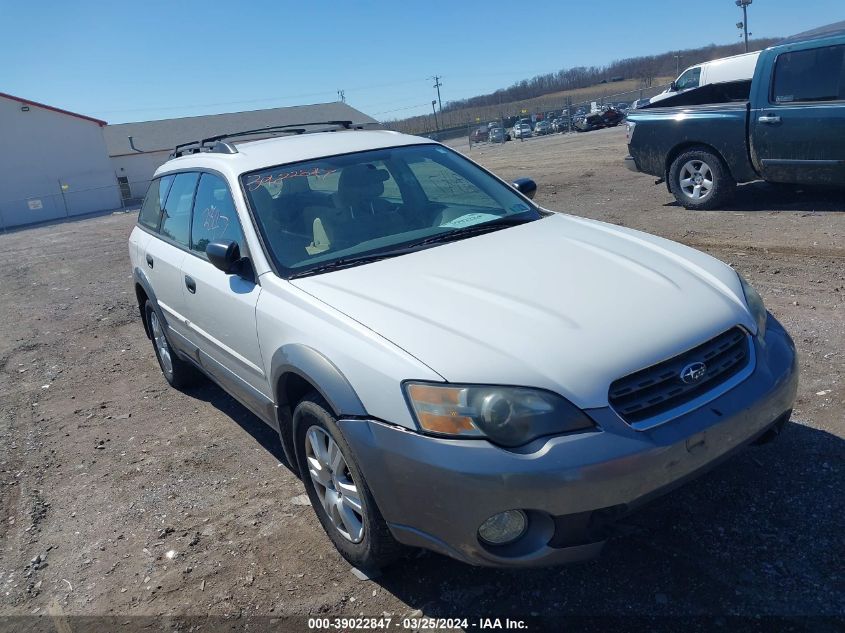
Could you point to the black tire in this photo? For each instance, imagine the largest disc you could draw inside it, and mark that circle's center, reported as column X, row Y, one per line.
column 376, row 548
column 689, row 173
column 178, row 373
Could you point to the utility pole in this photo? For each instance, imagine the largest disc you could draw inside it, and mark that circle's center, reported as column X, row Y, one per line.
column 677, row 64
column 744, row 24
column 437, row 85
column 434, row 112
column 341, row 96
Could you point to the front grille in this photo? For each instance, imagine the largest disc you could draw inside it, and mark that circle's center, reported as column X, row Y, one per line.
column 657, row 389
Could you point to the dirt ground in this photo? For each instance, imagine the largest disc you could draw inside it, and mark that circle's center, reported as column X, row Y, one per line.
column 121, row 496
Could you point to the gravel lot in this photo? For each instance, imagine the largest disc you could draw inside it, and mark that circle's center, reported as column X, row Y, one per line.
column 140, row 500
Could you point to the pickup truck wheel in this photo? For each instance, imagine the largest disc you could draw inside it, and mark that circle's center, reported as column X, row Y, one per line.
column 177, row 372
column 699, row 179
column 337, row 489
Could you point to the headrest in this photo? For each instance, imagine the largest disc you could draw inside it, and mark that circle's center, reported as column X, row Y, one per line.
column 361, row 182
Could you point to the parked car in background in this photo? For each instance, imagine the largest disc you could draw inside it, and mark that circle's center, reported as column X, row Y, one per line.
column 349, row 288
column 521, row 131
column 479, row 135
column 792, row 130
column 542, row 128
column 498, row 135
column 606, row 117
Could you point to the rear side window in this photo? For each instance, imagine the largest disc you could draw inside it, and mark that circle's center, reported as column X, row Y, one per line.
column 150, row 214
column 176, row 219
column 815, row 74
column 215, row 218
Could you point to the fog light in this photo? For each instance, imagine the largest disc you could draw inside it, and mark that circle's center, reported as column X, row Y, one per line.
column 503, row 528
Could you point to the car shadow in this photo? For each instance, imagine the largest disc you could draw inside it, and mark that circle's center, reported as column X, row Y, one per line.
column 764, row 196
column 266, row 437
column 761, row 534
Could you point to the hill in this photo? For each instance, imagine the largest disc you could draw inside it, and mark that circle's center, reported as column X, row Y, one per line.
column 621, row 80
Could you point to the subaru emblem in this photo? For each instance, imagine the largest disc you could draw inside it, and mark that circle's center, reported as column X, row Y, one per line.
column 693, row 372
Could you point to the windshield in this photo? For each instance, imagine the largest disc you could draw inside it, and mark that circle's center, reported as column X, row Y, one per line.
column 344, row 208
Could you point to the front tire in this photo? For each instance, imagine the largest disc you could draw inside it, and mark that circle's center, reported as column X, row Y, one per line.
column 699, row 179
column 336, row 487
column 177, row 372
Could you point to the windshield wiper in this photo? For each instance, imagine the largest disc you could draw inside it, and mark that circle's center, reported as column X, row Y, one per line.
column 469, row 231
column 349, row 262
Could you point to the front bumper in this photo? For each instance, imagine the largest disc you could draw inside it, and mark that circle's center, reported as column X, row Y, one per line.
column 434, row 492
column 631, row 164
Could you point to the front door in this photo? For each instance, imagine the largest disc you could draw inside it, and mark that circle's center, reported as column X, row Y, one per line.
column 798, row 133
column 220, row 308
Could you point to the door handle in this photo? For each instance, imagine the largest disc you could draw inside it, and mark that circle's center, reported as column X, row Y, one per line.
column 150, row 260
column 769, row 119
column 190, row 284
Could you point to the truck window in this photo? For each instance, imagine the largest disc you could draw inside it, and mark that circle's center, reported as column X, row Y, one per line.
column 814, row 74
column 688, row 79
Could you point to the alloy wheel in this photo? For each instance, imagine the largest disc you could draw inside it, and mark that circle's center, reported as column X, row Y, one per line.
column 161, row 344
column 696, row 179
column 333, row 482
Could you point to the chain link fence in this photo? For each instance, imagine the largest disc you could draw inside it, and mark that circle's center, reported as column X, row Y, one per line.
column 64, row 202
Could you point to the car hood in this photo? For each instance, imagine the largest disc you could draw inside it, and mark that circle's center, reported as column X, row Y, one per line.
column 562, row 303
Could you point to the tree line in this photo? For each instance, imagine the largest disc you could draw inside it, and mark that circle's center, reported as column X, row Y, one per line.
column 645, row 69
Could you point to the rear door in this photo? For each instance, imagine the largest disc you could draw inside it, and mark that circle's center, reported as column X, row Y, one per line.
column 798, row 122
column 220, row 308
column 165, row 253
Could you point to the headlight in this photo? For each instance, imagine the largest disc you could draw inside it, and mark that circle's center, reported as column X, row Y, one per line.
column 755, row 306
column 509, row 416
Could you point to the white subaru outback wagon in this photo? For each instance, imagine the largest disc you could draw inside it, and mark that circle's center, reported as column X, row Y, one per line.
column 449, row 366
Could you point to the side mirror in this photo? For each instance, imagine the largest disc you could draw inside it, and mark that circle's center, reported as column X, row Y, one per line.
column 226, row 256
column 526, row 187
column 673, row 87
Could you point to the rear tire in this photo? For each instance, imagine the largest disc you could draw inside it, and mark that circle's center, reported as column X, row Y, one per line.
column 699, row 179
column 336, row 487
column 178, row 373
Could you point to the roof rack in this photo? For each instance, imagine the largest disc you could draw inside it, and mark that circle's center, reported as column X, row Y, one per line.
column 217, row 144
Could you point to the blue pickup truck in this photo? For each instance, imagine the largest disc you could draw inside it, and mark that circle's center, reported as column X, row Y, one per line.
column 789, row 129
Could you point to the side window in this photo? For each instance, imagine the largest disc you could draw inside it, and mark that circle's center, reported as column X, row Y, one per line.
column 215, row 217
column 688, row 79
column 150, row 214
column 809, row 75
column 176, row 219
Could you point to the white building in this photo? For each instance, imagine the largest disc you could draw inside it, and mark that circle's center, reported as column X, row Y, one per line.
column 53, row 164
column 137, row 149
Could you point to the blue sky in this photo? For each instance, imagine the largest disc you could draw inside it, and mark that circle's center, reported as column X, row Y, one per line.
column 140, row 61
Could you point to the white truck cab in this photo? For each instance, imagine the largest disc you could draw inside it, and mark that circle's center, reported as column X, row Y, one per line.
column 735, row 68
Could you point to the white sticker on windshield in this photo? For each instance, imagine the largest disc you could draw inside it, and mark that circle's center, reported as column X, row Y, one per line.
column 470, row 219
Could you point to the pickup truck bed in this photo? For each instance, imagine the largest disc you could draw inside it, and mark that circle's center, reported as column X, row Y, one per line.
column 664, row 133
